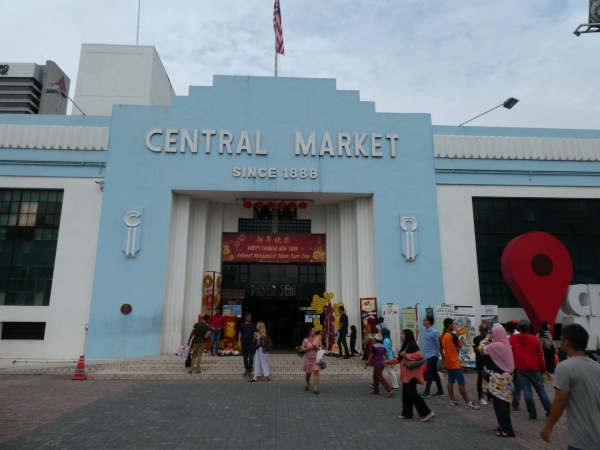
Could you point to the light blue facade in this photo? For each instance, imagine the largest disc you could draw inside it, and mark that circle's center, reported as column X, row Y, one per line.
column 138, row 178
column 278, row 108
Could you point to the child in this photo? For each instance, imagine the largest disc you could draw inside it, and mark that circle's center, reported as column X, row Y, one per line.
column 353, row 351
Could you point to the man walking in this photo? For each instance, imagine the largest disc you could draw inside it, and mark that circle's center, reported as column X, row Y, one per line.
column 342, row 333
column 247, row 333
column 529, row 367
column 432, row 355
column 450, row 344
column 576, row 389
column 199, row 337
column 216, row 324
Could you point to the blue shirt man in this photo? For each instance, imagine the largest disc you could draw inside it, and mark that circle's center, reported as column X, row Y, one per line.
column 432, row 342
column 432, row 355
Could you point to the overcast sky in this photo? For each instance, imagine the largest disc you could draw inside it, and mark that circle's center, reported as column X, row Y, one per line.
column 453, row 59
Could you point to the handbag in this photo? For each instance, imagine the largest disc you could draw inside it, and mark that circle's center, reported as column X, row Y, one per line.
column 414, row 363
column 188, row 360
column 547, row 344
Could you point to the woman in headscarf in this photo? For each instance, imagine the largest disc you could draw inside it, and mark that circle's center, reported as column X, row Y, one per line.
column 410, row 378
column 389, row 355
column 498, row 368
column 377, row 360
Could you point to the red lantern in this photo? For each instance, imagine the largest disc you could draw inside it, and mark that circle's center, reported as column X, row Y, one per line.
column 282, row 206
column 259, row 205
column 292, row 205
column 271, row 206
column 247, row 204
column 302, row 205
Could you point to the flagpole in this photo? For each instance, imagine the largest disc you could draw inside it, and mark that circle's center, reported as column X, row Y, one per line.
column 275, row 58
column 137, row 36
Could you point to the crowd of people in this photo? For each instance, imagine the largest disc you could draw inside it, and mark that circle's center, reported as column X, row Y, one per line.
column 510, row 360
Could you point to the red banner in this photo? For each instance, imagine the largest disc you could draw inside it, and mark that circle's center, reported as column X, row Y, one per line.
column 284, row 248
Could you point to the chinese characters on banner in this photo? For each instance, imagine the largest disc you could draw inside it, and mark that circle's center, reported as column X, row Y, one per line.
column 282, row 248
column 391, row 320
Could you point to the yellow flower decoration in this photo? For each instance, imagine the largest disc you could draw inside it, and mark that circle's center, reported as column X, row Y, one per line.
column 328, row 296
column 336, row 323
column 317, row 304
column 317, row 324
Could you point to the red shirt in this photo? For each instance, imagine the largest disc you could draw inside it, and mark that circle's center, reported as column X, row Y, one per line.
column 217, row 322
column 527, row 352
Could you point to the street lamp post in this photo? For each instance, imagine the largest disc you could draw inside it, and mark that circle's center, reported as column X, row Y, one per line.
column 508, row 104
column 55, row 88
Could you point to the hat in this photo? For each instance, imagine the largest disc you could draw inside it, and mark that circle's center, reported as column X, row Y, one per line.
column 523, row 325
column 378, row 337
column 514, row 321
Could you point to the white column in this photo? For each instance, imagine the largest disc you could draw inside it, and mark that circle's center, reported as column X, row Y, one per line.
column 172, row 316
column 367, row 260
column 194, row 271
column 333, row 279
column 348, row 258
column 214, row 237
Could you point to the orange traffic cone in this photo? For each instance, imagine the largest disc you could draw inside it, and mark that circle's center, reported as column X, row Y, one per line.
column 80, row 370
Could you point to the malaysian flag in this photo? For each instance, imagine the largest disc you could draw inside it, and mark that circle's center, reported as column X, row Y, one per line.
column 278, row 30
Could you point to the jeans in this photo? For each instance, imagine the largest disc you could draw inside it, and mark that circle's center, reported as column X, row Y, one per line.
column 433, row 375
column 215, row 338
column 342, row 344
column 248, row 352
column 517, row 392
column 527, row 378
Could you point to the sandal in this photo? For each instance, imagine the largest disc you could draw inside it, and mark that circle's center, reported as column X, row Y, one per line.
column 503, row 434
column 316, row 392
column 389, row 394
column 252, row 380
column 307, row 387
column 267, row 379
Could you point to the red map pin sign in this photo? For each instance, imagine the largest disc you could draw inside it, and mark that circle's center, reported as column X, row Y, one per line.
column 538, row 268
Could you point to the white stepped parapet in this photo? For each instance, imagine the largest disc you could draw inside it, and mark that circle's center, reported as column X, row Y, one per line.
column 48, row 137
column 523, row 148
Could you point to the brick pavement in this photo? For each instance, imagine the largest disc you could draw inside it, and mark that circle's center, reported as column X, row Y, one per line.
column 59, row 413
column 527, row 432
column 28, row 402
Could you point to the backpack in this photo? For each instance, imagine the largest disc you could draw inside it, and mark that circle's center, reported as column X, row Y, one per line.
column 457, row 344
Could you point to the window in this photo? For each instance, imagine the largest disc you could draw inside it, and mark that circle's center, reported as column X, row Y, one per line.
column 575, row 222
column 264, row 226
column 29, row 223
column 24, row 330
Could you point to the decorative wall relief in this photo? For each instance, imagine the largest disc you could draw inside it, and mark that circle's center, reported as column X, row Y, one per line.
column 410, row 246
column 132, row 235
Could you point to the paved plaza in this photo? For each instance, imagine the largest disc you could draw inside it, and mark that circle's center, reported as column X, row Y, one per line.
column 55, row 412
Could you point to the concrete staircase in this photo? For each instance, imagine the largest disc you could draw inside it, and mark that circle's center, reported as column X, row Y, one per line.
column 283, row 367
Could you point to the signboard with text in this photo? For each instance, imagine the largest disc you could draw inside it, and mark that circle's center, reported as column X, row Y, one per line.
column 281, row 248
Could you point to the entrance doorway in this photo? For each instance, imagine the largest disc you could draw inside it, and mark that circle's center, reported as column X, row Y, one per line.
column 281, row 318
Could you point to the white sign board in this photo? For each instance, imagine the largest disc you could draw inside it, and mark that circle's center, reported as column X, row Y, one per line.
column 391, row 319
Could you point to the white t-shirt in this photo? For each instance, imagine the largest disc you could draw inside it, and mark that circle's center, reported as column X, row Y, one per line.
column 580, row 377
